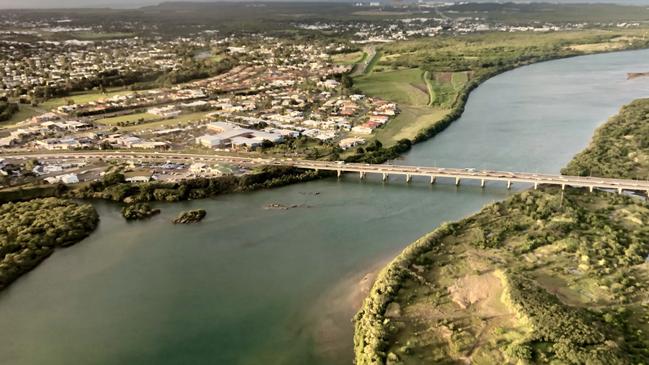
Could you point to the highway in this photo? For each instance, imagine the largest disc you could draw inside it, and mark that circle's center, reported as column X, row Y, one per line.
column 385, row 171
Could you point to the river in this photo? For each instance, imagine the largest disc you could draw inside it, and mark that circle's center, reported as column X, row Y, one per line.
column 255, row 286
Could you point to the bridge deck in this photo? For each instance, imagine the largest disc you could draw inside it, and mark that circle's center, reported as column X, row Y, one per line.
column 362, row 169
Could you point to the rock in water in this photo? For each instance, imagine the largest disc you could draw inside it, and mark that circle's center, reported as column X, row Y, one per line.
column 191, row 216
column 138, row 211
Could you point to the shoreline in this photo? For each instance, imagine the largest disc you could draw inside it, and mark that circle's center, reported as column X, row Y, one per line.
column 373, row 326
column 342, row 301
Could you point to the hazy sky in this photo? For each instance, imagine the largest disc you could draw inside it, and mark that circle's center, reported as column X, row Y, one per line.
column 17, row 4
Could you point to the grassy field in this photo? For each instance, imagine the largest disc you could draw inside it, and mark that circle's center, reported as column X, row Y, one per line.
column 408, row 123
column 439, row 72
column 445, row 87
column 95, row 36
column 349, row 58
column 81, row 98
column 168, row 123
column 409, row 88
column 478, row 52
column 127, row 118
column 25, row 111
column 402, row 86
column 423, row 100
column 541, row 12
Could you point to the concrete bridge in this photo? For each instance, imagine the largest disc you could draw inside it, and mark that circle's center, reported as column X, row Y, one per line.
column 384, row 171
column 483, row 176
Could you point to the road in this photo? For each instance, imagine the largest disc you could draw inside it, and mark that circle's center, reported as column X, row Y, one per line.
column 432, row 173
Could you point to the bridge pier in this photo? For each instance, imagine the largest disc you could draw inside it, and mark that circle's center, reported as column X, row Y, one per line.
column 408, row 178
column 432, row 179
column 361, row 174
column 509, row 184
column 338, row 173
column 385, row 176
column 457, row 181
column 482, row 183
column 536, row 185
column 563, row 187
column 590, row 188
column 619, row 190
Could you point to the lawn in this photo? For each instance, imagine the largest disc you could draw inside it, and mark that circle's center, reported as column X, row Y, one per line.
column 409, row 122
column 25, row 111
column 373, row 62
column 445, row 86
column 95, row 36
column 401, row 86
column 81, row 98
column 168, row 123
column 410, row 89
column 127, row 118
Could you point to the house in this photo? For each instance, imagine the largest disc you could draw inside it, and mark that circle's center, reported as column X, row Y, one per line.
column 59, row 144
column 168, row 111
column 350, row 142
column 46, row 169
column 200, row 168
column 138, row 179
column 362, row 129
column 46, row 117
column 195, row 105
column 66, row 179
column 128, row 141
column 7, row 141
column 378, row 119
column 211, row 141
column 245, row 142
column 150, row 145
column 329, row 84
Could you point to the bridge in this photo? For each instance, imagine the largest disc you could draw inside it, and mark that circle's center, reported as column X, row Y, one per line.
column 385, row 171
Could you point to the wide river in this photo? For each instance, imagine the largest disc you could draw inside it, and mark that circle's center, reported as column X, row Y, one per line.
column 256, row 286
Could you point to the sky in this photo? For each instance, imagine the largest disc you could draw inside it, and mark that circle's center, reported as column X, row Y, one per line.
column 27, row 4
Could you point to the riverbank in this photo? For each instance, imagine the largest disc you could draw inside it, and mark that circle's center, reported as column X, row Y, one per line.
column 503, row 285
column 31, row 231
column 620, row 147
column 113, row 187
column 454, row 67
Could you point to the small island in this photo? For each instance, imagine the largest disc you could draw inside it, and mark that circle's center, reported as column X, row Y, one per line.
column 139, row 211
column 635, row 75
column 190, row 216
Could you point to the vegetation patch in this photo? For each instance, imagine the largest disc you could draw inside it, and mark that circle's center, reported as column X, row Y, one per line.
column 470, row 291
column 190, row 216
column 401, row 86
column 7, row 110
column 351, row 58
column 620, row 147
column 30, row 231
column 139, row 211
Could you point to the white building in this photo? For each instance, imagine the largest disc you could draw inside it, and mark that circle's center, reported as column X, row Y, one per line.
column 66, row 179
